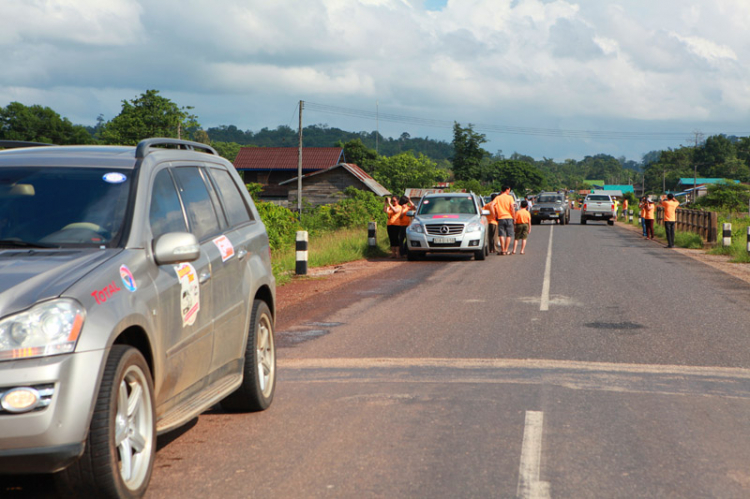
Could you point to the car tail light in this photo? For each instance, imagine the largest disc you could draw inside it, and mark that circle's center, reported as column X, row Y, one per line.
column 584, row 206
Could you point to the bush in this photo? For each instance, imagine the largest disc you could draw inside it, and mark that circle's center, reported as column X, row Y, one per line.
column 725, row 197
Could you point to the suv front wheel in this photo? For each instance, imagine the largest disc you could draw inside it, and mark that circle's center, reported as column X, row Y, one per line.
column 121, row 444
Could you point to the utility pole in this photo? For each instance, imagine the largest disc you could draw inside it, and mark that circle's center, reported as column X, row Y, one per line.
column 299, row 163
column 377, row 126
column 698, row 135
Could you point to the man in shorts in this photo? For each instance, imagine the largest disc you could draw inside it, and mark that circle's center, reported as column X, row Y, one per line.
column 506, row 211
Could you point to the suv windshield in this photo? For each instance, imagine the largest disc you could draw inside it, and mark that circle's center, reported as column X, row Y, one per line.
column 448, row 204
column 549, row 199
column 62, row 206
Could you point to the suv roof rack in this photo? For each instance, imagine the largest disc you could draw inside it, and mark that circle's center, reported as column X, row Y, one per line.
column 12, row 144
column 145, row 146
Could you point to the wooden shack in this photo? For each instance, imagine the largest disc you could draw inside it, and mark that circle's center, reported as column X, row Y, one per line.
column 327, row 186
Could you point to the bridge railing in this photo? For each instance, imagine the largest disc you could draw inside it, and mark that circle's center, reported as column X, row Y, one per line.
column 703, row 223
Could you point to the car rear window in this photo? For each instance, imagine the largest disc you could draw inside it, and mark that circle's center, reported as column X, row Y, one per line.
column 595, row 197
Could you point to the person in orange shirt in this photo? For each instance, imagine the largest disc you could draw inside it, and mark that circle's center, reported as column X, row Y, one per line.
column 505, row 206
column 670, row 217
column 392, row 210
column 648, row 215
column 642, row 214
column 625, row 209
column 403, row 222
column 492, row 223
column 522, row 227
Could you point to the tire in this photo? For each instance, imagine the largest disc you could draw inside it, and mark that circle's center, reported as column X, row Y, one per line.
column 583, row 220
column 535, row 221
column 101, row 471
column 610, row 222
column 259, row 373
column 479, row 255
column 412, row 256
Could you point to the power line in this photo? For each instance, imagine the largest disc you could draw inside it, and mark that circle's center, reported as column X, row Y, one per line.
column 503, row 129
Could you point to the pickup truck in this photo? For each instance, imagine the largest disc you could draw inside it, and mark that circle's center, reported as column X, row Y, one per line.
column 598, row 207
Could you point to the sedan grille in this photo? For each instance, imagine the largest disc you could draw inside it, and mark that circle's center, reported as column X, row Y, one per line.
column 445, row 229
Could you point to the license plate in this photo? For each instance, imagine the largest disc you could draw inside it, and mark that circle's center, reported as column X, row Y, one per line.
column 444, row 240
column 599, row 214
column 553, row 216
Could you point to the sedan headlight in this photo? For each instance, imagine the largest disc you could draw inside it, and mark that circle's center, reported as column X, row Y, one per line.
column 473, row 227
column 50, row 328
column 416, row 227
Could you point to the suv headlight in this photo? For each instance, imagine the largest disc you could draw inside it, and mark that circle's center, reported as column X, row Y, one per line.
column 49, row 328
column 473, row 227
column 416, row 227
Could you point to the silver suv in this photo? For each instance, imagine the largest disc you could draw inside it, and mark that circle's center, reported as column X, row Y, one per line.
column 448, row 223
column 135, row 292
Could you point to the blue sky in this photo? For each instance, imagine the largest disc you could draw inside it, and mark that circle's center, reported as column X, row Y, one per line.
column 547, row 78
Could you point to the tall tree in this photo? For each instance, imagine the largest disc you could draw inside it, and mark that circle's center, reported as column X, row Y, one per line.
column 521, row 176
column 149, row 115
column 405, row 170
column 358, row 153
column 39, row 124
column 467, row 152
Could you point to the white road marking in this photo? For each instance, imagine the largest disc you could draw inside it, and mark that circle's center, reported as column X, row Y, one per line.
column 529, row 485
column 544, row 306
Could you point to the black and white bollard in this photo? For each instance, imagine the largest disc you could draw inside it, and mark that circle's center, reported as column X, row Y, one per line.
column 726, row 235
column 630, row 216
column 748, row 239
column 372, row 234
column 301, row 267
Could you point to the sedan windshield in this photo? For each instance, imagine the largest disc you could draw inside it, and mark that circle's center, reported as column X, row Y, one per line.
column 448, row 204
column 62, row 206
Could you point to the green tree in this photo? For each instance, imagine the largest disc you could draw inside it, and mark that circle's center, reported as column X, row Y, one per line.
column 228, row 150
column 467, row 152
column 405, row 170
column 729, row 197
column 149, row 115
column 39, row 124
column 355, row 151
column 521, row 176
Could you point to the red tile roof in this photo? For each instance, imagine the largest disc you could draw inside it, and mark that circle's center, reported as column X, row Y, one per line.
column 285, row 158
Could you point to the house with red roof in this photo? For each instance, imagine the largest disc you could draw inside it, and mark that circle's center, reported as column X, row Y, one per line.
column 271, row 166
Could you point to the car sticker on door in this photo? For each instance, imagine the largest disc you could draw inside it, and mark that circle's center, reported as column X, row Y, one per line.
column 225, row 247
column 190, row 293
column 127, row 278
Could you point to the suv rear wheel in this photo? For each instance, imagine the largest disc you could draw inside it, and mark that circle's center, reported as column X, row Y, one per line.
column 259, row 376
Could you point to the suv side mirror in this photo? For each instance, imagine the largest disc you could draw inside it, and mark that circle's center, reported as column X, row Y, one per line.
column 411, row 213
column 485, row 213
column 176, row 247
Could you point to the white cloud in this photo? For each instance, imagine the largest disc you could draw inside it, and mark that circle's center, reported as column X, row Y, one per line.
column 498, row 61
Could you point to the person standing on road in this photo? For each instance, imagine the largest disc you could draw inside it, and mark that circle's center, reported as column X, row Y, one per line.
column 506, row 211
column 670, row 209
column 642, row 215
column 403, row 222
column 522, row 227
column 392, row 210
column 492, row 223
column 650, row 211
column 625, row 209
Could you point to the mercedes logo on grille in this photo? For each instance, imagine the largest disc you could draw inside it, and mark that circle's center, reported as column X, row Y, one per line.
column 444, row 229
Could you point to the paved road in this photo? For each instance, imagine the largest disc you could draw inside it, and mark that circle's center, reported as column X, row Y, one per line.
column 596, row 365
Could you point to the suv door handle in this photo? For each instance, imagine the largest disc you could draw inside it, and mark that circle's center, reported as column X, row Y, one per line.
column 242, row 253
column 204, row 277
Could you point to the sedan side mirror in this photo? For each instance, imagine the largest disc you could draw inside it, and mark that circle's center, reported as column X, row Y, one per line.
column 176, row 247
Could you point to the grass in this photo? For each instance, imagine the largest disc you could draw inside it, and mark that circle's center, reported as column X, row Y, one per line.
column 738, row 249
column 332, row 248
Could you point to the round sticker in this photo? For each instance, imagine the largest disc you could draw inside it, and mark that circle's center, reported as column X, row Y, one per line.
column 127, row 279
column 114, row 178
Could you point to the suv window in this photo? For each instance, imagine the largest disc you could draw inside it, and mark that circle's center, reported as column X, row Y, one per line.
column 198, row 205
column 234, row 204
column 598, row 198
column 60, row 206
column 166, row 211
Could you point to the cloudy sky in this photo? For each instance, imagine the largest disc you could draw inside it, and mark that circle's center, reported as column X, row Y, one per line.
column 558, row 79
